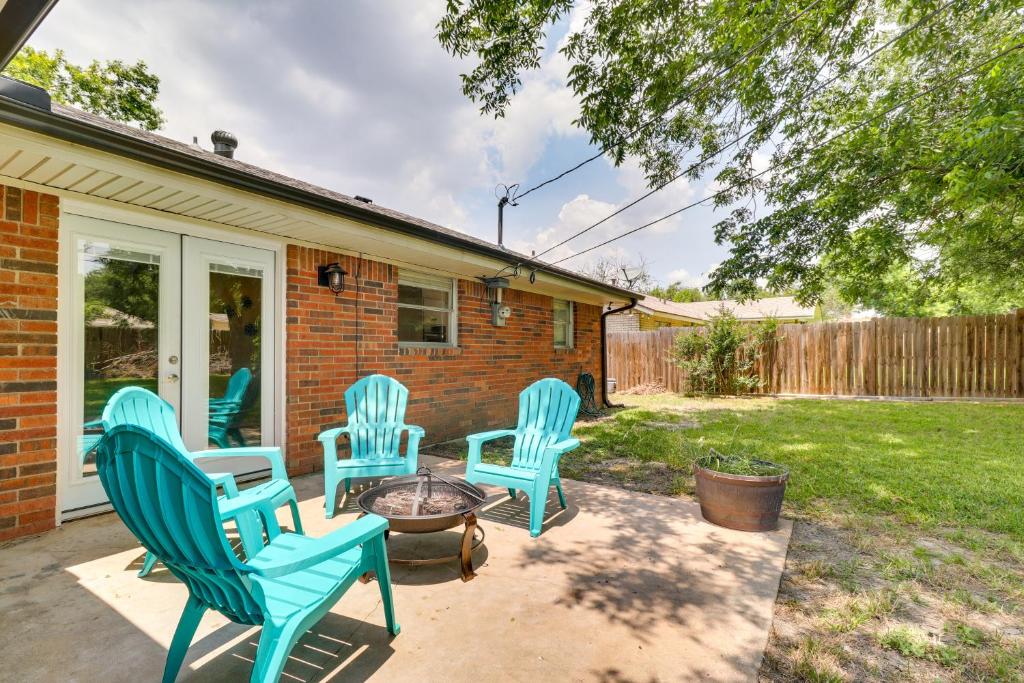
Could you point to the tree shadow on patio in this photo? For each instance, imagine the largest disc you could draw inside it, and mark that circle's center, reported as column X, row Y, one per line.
column 624, row 573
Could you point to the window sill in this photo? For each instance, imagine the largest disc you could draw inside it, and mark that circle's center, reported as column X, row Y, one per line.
column 565, row 349
column 429, row 350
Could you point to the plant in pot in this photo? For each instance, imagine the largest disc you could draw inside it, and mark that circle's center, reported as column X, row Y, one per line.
column 739, row 492
column 735, row 491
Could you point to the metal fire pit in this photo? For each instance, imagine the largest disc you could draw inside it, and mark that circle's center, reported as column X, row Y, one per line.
column 425, row 503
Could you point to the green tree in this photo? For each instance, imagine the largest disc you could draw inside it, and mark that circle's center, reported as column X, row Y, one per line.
column 114, row 89
column 905, row 166
column 720, row 357
column 677, row 292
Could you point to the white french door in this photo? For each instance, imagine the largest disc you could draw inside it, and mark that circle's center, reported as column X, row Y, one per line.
column 181, row 316
column 228, row 292
column 121, row 323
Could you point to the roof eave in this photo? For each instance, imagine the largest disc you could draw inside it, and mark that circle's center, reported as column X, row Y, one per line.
column 18, row 20
column 47, row 123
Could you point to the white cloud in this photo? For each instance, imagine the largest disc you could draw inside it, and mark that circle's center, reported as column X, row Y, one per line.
column 686, row 278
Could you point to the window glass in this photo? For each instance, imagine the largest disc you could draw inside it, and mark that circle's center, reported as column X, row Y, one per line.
column 420, row 296
column 120, row 337
column 425, row 309
column 562, row 315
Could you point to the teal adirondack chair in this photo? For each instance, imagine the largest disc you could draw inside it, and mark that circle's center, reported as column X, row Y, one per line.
column 141, row 407
column 376, row 420
column 289, row 585
column 224, row 411
column 547, row 411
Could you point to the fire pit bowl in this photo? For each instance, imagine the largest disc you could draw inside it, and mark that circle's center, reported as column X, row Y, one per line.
column 425, row 503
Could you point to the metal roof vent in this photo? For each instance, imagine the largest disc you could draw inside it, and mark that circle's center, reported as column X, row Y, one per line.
column 224, row 143
column 364, row 200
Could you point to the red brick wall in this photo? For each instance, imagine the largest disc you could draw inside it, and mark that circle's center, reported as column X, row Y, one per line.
column 452, row 392
column 28, row 361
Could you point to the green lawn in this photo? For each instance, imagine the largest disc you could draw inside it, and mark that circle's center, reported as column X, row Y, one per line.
column 948, row 464
column 906, row 561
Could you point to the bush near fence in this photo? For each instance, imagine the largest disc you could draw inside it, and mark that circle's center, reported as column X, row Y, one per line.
column 978, row 356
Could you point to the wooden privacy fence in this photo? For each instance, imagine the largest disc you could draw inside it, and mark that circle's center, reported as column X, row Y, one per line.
column 967, row 356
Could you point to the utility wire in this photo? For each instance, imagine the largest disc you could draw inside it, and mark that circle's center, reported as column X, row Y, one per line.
column 709, row 155
column 742, row 58
column 939, row 85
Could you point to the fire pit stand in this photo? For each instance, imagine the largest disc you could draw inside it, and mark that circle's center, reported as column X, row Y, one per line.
column 425, row 503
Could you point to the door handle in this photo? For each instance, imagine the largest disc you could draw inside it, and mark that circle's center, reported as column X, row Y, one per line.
column 172, row 377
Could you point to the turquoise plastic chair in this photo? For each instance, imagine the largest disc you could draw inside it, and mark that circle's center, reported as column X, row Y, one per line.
column 376, row 420
column 547, row 411
column 141, row 407
column 290, row 584
column 224, row 411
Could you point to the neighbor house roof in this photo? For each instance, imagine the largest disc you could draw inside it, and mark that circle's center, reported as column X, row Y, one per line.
column 781, row 307
column 78, row 127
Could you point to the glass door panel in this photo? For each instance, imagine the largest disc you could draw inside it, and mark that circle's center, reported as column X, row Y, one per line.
column 229, row 378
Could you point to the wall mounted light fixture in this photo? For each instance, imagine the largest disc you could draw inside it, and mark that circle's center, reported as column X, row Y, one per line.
column 331, row 276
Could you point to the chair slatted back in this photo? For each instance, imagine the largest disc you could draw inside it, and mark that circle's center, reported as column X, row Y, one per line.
column 238, row 384
column 547, row 411
column 376, row 413
column 170, row 505
column 143, row 408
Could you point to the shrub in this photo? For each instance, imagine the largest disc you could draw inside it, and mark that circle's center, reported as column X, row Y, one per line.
column 720, row 358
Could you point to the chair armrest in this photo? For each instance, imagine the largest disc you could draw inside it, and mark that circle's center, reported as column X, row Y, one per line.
column 490, row 436
column 227, row 481
column 270, row 453
column 329, row 439
column 476, row 442
column 331, row 434
column 415, row 431
column 324, row 548
column 554, row 453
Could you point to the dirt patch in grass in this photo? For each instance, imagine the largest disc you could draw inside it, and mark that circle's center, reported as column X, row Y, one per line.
column 868, row 599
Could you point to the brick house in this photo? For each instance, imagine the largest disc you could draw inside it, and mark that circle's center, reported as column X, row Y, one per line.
column 129, row 258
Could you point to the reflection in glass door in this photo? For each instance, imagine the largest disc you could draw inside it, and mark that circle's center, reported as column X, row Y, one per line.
column 124, row 316
column 228, row 381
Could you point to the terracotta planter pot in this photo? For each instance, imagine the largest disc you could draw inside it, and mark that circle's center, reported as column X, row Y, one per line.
column 742, row 502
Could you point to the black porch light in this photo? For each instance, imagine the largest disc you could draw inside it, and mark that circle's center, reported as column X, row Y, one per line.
column 332, row 276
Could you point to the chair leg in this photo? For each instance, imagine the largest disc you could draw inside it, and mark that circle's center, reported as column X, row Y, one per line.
column 187, row 625
column 561, row 496
column 348, row 486
column 296, row 520
column 512, row 494
column 147, row 565
column 384, row 581
column 538, row 500
column 276, row 641
column 329, row 502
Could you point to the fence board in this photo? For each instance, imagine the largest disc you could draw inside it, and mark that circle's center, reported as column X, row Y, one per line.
column 965, row 356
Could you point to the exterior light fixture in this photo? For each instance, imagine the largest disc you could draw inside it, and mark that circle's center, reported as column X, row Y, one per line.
column 331, row 276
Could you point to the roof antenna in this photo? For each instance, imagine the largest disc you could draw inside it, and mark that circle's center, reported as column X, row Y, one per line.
column 505, row 195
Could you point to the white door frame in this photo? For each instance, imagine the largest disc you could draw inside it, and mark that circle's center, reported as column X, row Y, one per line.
column 146, row 218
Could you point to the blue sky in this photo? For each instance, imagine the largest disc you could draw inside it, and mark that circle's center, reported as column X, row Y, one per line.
column 359, row 97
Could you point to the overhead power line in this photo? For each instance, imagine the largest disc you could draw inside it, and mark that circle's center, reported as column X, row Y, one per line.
column 644, row 126
column 937, row 86
column 772, row 117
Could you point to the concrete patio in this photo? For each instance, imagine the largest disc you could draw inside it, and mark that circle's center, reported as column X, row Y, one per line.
column 620, row 587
